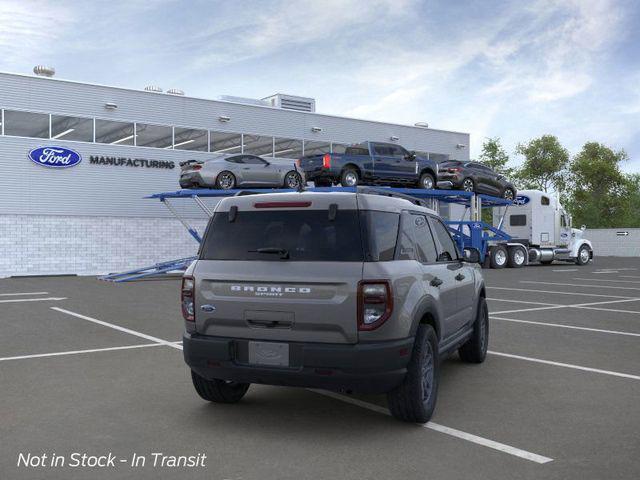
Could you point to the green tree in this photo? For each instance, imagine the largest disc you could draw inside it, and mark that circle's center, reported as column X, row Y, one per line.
column 599, row 194
column 545, row 164
column 494, row 156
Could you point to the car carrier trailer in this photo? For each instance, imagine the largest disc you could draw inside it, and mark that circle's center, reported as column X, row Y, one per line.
column 495, row 245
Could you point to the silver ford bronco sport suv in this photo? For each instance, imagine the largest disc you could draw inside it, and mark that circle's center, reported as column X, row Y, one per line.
column 355, row 292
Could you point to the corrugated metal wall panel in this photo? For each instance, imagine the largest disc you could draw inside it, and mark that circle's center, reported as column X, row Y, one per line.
column 117, row 191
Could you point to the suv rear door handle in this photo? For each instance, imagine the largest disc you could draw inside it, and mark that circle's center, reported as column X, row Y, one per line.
column 436, row 282
column 459, row 277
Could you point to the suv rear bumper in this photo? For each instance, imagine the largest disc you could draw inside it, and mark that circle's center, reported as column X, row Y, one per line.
column 363, row 368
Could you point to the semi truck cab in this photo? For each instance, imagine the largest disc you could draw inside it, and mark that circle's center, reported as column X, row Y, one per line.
column 540, row 226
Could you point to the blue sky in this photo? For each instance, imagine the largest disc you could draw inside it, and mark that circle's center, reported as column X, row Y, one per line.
column 515, row 69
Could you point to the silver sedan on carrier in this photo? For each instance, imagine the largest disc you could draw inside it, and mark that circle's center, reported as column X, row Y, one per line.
column 240, row 170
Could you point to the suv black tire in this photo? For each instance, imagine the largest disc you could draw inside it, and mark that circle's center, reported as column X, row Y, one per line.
column 468, row 185
column 474, row 350
column 219, row 391
column 349, row 171
column 499, row 256
column 407, row 401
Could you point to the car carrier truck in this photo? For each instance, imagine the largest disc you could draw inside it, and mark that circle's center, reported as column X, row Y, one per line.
column 540, row 231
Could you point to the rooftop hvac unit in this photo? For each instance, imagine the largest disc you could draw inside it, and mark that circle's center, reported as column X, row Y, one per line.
column 291, row 102
column 175, row 91
column 153, row 88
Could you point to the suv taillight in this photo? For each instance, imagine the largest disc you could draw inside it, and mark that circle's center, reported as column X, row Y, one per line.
column 375, row 303
column 186, row 298
column 326, row 160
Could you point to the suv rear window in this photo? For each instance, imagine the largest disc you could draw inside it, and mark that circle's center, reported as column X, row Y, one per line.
column 307, row 236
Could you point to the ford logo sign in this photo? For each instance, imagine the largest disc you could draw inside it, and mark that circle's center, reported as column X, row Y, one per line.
column 55, row 157
column 521, row 200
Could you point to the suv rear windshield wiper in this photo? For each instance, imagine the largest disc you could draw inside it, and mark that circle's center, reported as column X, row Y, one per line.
column 283, row 252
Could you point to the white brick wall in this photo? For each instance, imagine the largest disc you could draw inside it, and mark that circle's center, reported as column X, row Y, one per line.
column 51, row 245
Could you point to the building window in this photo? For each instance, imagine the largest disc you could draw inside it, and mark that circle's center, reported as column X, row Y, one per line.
column 157, row 136
column 71, row 128
column 257, row 145
column 115, row 133
column 26, row 124
column 338, row 148
column 316, row 148
column 190, row 139
column 226, row 142
column 287, row 148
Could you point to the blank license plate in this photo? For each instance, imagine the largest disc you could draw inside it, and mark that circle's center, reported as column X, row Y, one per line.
column 269, row 353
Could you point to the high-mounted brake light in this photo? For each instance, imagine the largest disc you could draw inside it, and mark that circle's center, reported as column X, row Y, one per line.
column 186, row 298
column 326, row 160
column 282, row 204
column 375, row 303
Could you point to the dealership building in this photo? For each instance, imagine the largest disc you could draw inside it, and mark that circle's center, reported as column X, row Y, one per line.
column 91, row 217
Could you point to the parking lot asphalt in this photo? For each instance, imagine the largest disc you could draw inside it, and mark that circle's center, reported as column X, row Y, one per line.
column 96, row 367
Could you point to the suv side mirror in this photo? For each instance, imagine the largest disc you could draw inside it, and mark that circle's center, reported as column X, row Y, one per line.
column 410, row 156
column 471, row 255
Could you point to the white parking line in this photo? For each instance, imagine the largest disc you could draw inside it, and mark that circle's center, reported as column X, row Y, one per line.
column 629, row 276
column 521, row 301
column 119, row 328
column 605, row 280
column 47, row 299
column 567, row 270
column 485, row 442
column 558, row 293
column 581, row 285
column 572, row 327
column 566, row 365
column 76, row 352
column 587, row 306
column 635, row 312
column 533, row 309
column 27, row 293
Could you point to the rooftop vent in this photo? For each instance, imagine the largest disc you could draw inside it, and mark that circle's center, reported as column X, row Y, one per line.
column 175, row 91
column 291, row 102
column 43, row 71
column 153, row 88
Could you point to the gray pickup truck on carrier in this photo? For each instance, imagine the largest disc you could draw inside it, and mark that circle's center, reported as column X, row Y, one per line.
column 357, row 292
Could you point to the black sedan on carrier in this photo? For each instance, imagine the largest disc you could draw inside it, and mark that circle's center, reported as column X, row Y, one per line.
column 474, row 177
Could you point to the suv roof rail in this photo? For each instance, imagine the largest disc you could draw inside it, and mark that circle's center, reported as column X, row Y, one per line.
column 387, row 193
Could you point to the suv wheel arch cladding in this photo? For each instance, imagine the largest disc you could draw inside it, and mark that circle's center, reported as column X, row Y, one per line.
column 428, row 313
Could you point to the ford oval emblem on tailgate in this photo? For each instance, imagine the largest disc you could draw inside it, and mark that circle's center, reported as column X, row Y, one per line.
column 55, row 157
